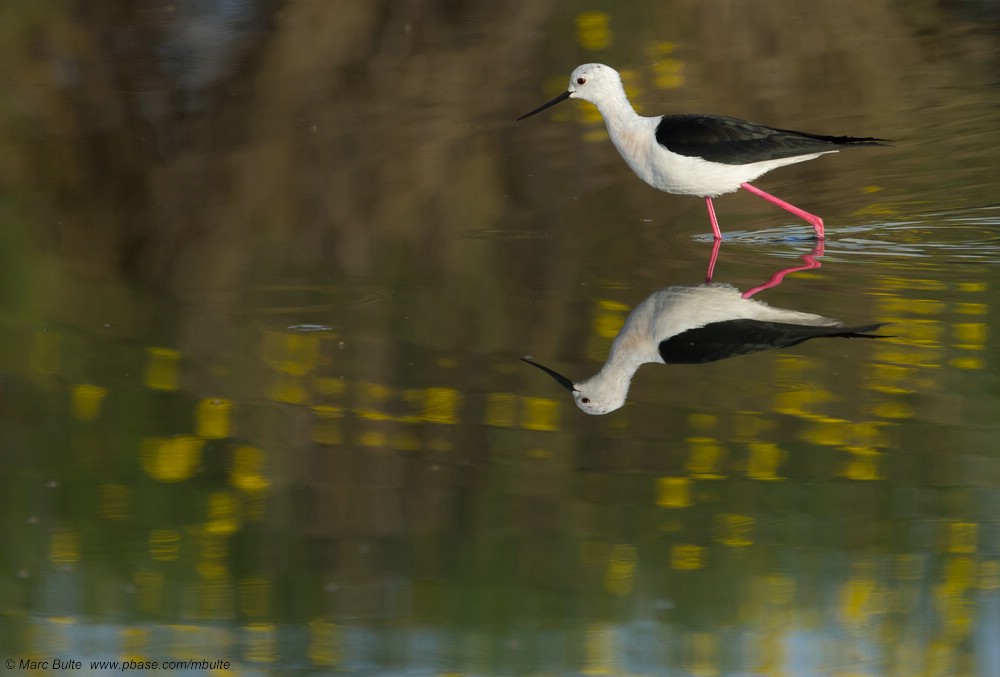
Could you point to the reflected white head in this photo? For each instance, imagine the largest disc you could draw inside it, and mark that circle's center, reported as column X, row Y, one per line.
column 591, row 82
column 598, row 403
column 590, row 398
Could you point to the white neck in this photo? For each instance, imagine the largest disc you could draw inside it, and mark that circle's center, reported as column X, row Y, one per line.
column 616, row 110
column 615, row 376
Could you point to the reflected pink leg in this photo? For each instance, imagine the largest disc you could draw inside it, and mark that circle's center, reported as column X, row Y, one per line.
column 810, row 262
column 711, row 215
column 711, row 262
column 816, row 221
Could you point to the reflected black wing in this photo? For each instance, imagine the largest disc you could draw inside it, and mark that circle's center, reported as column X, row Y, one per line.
column 732, row 141
column 719, row 340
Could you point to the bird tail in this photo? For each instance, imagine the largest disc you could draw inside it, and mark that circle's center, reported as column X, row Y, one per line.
column 864, row 331
column 843, row 140
column 862, row 141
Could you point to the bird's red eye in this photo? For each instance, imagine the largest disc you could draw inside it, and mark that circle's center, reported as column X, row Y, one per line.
column 581, row 81
column 585, row 400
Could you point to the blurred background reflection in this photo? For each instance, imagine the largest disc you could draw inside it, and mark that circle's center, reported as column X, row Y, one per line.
column 266, row 268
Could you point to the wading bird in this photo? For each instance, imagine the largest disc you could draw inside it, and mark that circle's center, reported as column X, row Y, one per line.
column 692, row 324
column 703, row 155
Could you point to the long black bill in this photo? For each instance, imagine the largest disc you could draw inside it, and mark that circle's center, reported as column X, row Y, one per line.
column 561, row 97
column 563, row 381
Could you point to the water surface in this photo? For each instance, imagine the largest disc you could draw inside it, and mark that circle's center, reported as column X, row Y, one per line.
column 267, row 271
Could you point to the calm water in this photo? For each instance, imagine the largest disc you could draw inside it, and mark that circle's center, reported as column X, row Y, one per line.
column 267, row 270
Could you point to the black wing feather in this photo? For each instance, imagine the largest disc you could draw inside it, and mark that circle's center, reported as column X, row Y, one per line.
column 720, row 340
column 733, row 141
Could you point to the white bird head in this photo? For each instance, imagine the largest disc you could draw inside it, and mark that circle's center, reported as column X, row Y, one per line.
column 594, row 81
column 591, row 396
column 591, row 82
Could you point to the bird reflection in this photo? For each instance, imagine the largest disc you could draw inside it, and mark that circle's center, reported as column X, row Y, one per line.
column 691, row 324
column 809, row 261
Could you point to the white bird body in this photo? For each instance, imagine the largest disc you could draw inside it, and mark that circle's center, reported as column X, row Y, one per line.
column 693, row 324
column 634, row 136
column 703, row 155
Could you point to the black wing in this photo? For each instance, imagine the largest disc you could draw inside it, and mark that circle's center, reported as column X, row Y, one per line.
column 732, row 141
column 719, row 340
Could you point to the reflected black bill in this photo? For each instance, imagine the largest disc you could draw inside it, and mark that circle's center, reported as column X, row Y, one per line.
column 563, row 381
column 561, row 97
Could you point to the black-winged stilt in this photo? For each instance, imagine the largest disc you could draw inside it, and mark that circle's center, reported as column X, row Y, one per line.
column 703, row 155
column 693, row 324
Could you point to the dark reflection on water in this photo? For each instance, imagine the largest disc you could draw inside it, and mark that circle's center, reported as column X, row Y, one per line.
column 266, row 272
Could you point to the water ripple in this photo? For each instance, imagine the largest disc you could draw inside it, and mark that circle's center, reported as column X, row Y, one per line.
column 955, row 236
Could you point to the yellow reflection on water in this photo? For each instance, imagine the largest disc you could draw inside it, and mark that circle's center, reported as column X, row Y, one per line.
column 969, row 335
column 288, row 388
column 863, row 464
column 500, row 409
column 326, row 429
column 436, row 404
column 955, row 605
column 162, row 368
column 247, row 473
column 764, row 461
column 668, row 71
column 325, row 643
column 171, row 459
column 803, row 402
column 113, row 501
column 609, row 316
column 687, row 557
column 213, row 418
column 734, row 530
column 702, row 422
column 86, row 400
column 620, row 572
column 962, row 537
column 539, row 413
column 223, row 514
column 673, row 492
column 149, row 590
column 593, row 30
column 704, row 458
column 600, row 649
column 703, row 651
column 215, row 592
column 134, row 643
column 164, row 545
column 291, row 352
column 989, row 575
column 64, row 547
column 861, row 598
column 261, row 642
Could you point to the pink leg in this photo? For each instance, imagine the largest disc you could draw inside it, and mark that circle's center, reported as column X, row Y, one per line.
column 711, row 262
column 810, row 263
column 711, row 215
column 816, row 221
